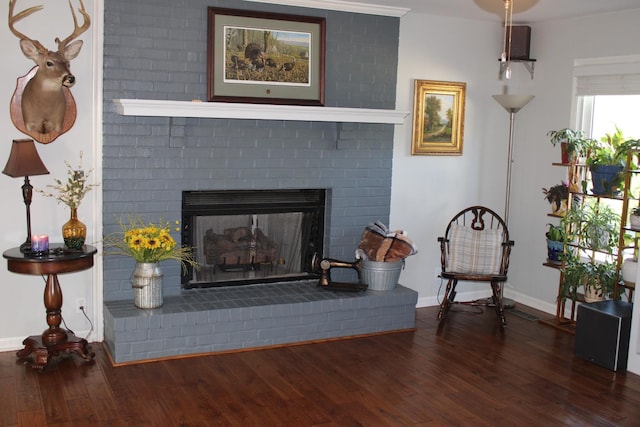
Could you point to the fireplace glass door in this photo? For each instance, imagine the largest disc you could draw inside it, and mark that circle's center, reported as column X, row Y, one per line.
column 248, row 243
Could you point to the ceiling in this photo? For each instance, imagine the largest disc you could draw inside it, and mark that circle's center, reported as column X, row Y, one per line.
column 541, row 10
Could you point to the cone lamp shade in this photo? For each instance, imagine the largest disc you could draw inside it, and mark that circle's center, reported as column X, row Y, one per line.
column 513, row 103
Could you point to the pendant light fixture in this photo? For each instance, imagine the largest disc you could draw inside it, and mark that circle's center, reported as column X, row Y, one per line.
column 505, row 57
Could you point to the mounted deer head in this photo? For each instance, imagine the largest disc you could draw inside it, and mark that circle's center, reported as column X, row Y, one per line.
column 43, row 99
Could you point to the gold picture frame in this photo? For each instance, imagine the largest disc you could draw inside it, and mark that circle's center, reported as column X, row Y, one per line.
column 438, row 118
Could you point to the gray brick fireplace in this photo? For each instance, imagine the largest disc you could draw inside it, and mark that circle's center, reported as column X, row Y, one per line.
column 156, row 49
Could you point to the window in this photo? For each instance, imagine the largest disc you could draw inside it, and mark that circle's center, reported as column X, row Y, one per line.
column 602, row 113
column 608, row 96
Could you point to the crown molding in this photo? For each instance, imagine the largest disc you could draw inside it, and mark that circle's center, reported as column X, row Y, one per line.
column 342, row 6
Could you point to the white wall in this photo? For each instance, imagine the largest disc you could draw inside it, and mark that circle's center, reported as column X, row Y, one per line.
column 23, row 311
column 428, row 191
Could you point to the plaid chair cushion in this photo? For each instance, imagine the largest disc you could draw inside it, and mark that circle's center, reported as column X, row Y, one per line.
column 474, row 251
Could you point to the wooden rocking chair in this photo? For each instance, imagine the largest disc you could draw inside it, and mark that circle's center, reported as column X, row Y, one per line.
column 476, row 248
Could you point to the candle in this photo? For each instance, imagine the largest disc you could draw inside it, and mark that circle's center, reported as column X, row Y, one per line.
column 39, row 243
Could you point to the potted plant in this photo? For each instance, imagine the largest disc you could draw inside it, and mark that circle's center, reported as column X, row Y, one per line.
column 592, row 231
column 555, row 243
column 599, row 281
column 148, row 243
column 606, row 160
column 558, row 197
column 572, row 143
column 573, row 273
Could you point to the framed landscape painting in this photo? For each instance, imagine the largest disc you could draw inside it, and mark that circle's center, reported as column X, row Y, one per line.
column 438, row 118
column 260, row 57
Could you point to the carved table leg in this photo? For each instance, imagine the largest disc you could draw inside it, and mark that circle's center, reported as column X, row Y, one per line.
column 53, row 303
column 41, row 354
column 53, row 340
column 29, row 347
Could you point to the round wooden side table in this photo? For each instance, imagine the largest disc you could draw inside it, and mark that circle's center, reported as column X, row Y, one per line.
column 54, row 340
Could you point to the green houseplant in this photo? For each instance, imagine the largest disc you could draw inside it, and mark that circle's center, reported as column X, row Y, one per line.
column 598, row 279
column 557, row 196
column 592, row 231
column 555, row 243
column 572, row 143
column 606, row 160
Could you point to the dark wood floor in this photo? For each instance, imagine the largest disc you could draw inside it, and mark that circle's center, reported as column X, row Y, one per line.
column 467, row 374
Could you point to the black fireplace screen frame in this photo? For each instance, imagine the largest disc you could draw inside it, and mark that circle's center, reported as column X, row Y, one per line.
column 310, row 202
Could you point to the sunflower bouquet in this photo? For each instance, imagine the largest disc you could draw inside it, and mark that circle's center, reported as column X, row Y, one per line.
column 148, row 242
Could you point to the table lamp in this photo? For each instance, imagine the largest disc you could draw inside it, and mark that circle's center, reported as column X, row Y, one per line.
column 24, row 161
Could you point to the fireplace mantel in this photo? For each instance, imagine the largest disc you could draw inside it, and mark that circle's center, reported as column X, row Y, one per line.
column 224, row 110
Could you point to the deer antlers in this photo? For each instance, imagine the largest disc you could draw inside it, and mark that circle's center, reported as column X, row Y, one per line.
column 13, row 19
column 77, row 30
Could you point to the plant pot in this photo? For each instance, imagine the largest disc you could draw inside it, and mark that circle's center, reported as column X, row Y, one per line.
column 593, row 295
column 554, row 251
column 629, row 270
column 634, row 221
column 605, row 178
column 560, row 210
column 564, row 153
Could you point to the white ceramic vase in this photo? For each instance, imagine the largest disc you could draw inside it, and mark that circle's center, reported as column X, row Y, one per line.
column 629, row 269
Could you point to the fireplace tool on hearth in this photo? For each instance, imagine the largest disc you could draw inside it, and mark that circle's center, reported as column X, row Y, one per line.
column 324, row 266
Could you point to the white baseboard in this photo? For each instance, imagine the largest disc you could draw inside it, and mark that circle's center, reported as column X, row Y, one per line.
column 11, row 344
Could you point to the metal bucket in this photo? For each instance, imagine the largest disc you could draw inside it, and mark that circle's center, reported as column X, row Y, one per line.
column 147, row 285
column 381, row 276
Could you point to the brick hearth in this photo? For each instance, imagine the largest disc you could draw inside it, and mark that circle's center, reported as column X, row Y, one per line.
column 244, row 317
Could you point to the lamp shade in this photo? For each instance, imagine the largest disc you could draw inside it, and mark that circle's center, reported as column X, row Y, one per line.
column 513, row 103
column 24, row 160
column 497, row 7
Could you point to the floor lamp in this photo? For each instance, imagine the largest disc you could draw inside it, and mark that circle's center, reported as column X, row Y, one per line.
column 513, row 104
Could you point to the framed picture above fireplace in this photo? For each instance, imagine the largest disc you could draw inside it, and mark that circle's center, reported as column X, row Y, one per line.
column 269, row 58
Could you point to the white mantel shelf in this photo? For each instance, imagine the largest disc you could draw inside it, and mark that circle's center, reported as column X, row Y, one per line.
column 224, row 110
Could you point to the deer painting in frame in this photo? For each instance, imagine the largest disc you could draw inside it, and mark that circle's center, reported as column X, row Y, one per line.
column 42, row 105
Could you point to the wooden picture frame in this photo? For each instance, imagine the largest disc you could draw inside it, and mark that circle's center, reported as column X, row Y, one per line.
column 438, row 118
column 269, row 58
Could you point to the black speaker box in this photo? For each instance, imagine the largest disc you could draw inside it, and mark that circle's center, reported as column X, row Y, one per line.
column 520, row 42
column 602, row 333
